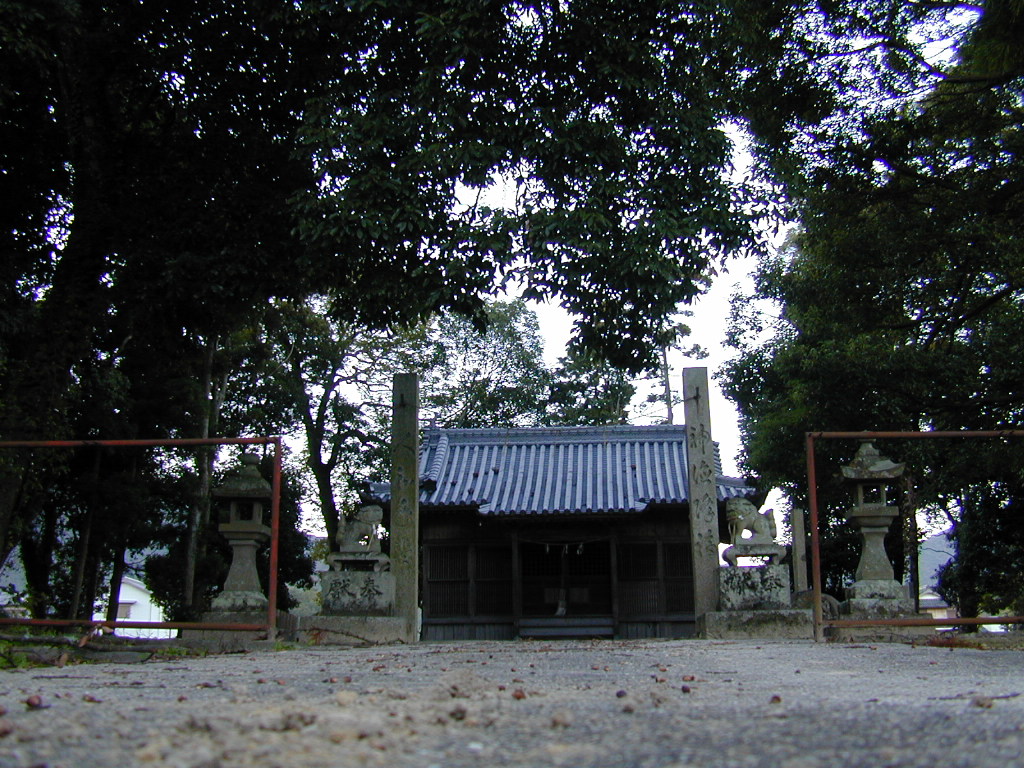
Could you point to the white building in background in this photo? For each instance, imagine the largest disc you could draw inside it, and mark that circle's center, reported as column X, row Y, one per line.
column 135, row 603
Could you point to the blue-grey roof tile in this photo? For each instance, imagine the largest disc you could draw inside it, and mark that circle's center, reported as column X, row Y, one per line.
column 557, row 470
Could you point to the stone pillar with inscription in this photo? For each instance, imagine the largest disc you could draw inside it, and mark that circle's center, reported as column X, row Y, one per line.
column 405, row 500
column 703, row 499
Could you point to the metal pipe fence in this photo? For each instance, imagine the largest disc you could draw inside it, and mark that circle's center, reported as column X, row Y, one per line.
column 812, row 508
column 270, row 625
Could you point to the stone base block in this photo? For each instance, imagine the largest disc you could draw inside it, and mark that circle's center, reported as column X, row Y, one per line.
column 758, row 587
column 357, row 593
column 237, row 601
column 876, row 608
column 756, row 625
column 877, row 589
column 881, row 634
column 228, row 641
column 876, row 599
column 774, row 552
column 356, row 630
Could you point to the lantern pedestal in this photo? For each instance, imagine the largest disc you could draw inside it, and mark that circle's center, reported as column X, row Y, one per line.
column 242, row 591
column 873, row 522
column 875, row 593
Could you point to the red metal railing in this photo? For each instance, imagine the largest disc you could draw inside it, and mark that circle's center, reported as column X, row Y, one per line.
column 270, row 626
column 812, row 508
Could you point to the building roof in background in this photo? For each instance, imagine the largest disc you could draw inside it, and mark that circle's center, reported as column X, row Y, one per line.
column 557, row 470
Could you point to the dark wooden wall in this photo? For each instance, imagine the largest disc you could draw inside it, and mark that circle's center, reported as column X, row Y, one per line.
column 628, row 576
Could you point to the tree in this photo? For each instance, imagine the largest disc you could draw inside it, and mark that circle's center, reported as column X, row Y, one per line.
column 587, row 392
column 608, row 123
column 202, row 141
column 899, row 298
column 153, row 124
column 490, row 376
column 208, row 158
column 328, row 382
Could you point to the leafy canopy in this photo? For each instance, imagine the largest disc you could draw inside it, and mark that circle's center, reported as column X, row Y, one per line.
column 899, row 300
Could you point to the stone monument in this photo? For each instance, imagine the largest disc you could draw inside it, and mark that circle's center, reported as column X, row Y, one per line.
column 359, row 582
column 755, row 601
column 743, row 517
column 701, row 492
column 242, row 499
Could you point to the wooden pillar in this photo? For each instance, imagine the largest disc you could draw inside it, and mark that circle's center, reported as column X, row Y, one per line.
column 517, row 584
column 613, row 562
column 702, row 495
column 405, row 500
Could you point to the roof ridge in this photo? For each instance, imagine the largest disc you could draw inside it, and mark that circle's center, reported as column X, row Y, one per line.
column 559, row 428
column 625, row 432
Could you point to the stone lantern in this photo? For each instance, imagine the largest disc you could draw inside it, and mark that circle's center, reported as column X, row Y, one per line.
column 875, row 591
column 242, row 498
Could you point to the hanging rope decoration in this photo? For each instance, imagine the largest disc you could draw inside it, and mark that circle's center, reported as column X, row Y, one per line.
column 578, row 545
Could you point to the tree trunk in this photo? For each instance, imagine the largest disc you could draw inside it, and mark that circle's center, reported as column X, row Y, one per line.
column 13, row 481
column 39, row 364
column 81, row 561
column 328, row 505
column 200, row 512
column 85, row 537
column 116, row 574
column 91, row 587
column 911, row 539
column 37, row 558
column 667, row 383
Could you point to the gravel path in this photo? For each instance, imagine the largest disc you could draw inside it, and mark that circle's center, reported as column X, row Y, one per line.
column 580, row 704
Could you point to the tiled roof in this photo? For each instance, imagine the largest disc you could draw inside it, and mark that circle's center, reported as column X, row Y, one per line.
column 557, row 470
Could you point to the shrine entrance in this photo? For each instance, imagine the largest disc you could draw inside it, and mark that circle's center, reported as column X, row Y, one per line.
column 566, row 588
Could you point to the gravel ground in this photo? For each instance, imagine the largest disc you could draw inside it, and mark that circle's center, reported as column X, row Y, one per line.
column 581, row 704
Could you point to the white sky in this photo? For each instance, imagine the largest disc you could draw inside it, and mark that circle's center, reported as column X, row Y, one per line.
column 707, row 329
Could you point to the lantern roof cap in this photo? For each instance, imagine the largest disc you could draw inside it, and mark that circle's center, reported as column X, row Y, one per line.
column 244, row 482
column 869, row 464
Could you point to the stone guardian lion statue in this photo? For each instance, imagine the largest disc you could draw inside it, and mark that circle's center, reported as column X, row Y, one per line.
column 364, row 526
column 742, row 516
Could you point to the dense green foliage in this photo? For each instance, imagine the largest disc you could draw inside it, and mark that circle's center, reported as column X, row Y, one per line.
column 898, row 303
column 585, row 392
column 167, row 170
column 180, row 180
column 494, row 378
column 174, row 175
